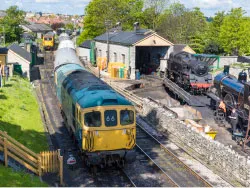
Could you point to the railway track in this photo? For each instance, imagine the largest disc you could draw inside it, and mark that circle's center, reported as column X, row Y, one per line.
column 61, row 139
column 179, row 173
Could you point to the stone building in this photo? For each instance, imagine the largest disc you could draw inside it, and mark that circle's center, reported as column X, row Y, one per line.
column 140, row 49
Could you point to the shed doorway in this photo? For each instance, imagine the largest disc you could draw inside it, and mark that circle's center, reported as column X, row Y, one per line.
column 148, row 58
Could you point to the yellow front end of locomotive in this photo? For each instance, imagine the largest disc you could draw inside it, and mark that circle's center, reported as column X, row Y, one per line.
column 109, row 128
column 48, row 42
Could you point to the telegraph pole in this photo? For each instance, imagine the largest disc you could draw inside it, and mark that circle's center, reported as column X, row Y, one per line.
column 107, row 24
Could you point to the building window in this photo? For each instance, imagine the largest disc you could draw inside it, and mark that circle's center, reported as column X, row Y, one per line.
column 115, row 57
column 100, row 53
column 123, row 58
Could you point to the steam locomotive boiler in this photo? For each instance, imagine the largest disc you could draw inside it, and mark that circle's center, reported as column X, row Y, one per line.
column 190, row 71
column 235, row 94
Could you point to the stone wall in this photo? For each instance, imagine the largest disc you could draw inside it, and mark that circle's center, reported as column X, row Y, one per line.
column 217, row 156
column 226, row 60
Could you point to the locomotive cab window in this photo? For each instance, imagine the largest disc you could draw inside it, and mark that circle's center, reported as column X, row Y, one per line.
column 49, row 39
column 110, row 117
column 92, row 119
column 126, row 117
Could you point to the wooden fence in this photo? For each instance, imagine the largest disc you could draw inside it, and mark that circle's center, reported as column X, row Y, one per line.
column 45, row 162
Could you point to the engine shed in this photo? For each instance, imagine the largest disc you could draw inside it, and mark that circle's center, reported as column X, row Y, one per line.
column 139, row 50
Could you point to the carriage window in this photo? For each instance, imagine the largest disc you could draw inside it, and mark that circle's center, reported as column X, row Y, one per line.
column 92, row 119
column 126, row 117
column 110, row 118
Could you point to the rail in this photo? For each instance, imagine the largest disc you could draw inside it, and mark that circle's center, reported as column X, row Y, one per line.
column 184, row 95
column 174, row 184
column 175, row 157
column 128, row 177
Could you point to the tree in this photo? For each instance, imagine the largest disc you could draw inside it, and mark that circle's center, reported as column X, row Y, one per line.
column 181, row 25
column 99, row 11
column 69, row 26
column 14, row 17
column 152, row 12
column 234, row 33
column 55, row 26
column 212, row 43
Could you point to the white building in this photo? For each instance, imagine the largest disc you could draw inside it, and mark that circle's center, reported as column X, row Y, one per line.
column 140, row 49
column 19, row 56
column 83, row 50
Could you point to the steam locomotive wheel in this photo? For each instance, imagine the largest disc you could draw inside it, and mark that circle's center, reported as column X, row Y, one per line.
column 229, row 100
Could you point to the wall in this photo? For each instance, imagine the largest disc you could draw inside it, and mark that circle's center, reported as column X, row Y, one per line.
column 84, row 53
column 15, row 58
column 129, row 53
column 221, row 158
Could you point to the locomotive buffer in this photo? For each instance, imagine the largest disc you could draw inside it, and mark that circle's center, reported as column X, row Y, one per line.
column 184, row 95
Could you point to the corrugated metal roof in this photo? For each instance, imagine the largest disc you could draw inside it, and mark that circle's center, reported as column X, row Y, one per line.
column 20, row 51
column 86, row 44
column 126, row 38
column 38, row 27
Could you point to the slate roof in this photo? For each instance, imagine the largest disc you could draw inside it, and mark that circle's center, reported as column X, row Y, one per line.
column 38, row 27
column 86, row 44
column 4, row 50
column 126, row 38
column 20, row 51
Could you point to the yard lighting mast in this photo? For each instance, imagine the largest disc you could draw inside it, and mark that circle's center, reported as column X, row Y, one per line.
column 2, row 37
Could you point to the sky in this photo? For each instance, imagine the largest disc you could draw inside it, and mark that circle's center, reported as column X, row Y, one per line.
column 208, row 7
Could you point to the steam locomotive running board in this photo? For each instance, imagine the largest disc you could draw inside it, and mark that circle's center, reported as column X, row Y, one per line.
column 184, row 95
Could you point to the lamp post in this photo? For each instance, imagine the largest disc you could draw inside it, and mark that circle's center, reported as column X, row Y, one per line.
column 107, row 24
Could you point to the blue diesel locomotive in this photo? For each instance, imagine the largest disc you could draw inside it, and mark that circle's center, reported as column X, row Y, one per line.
column 102, row 121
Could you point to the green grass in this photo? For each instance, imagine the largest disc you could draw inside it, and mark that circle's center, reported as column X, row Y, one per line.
column 9, row 178
column 20, row 116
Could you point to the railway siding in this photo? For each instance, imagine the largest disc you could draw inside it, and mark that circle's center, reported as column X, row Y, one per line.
column 221, row 158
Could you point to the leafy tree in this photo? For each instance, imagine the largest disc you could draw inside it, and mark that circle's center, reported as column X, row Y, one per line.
column 152, row 12
column 180, row 25
column 212, row 47
column 55, row 26
column 234, row 33
column 69, row 26
column 14, row 17
column 100, row 11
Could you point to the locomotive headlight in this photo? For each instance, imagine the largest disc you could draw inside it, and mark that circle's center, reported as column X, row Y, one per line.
column 124, row 131
column 96, row 133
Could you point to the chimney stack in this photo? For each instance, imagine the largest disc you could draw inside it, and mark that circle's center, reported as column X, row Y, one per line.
column 136, row 26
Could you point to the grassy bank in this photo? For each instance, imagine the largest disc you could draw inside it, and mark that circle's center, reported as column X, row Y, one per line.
column 20, row 116
column 9, row 178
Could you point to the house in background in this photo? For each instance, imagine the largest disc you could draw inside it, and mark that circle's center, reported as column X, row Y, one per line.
column 20, row 59
column 38, row 29
column 83, row 50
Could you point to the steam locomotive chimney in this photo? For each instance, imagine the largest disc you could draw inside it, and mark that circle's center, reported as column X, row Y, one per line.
column 226, row 69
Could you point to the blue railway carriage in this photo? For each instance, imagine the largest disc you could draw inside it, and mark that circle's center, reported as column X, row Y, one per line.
column 102, row 121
